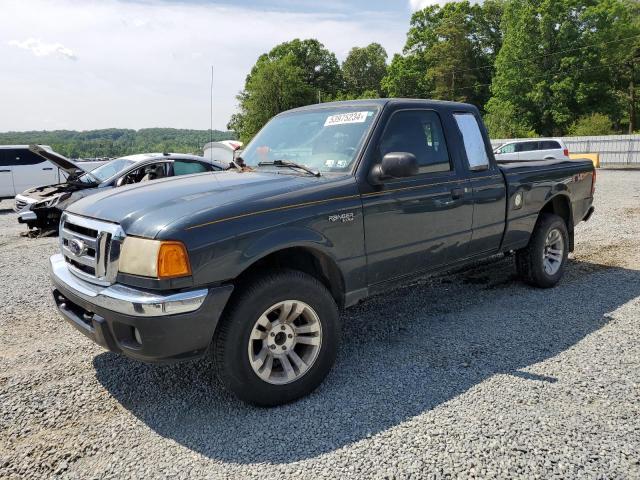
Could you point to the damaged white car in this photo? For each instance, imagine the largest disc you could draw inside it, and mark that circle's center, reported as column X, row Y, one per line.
column 41, row 207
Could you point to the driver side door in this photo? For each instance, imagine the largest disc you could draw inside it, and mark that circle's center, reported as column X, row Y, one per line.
column 417, row 223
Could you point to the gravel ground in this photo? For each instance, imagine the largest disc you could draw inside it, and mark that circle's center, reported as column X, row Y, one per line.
column 470, row 374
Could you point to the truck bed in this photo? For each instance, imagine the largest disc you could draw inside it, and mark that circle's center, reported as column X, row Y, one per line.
column 537, row 182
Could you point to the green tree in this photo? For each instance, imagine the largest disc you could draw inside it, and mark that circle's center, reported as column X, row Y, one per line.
column 320, row 67
column 449, row 53
column 502, row 121
column 273, row 86
column 363, row 70
column 594, row 124
column 116, row 142
column 553, row 66
column 292, row 74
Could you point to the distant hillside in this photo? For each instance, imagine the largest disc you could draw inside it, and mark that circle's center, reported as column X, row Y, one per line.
column 116, row 142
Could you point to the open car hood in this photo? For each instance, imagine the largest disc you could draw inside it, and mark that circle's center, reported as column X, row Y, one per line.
column 60, row 161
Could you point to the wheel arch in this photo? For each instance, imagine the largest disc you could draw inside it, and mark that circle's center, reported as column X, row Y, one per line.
column 302, row 257
column 560, row 204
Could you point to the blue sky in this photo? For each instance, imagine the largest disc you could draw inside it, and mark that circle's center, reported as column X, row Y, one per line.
column 74, row 64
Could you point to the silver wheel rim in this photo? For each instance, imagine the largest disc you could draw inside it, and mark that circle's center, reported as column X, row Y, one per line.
column 285, row 342
column 553, row 252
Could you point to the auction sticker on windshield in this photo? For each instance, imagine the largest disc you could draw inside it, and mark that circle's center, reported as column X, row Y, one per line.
column 343, row 118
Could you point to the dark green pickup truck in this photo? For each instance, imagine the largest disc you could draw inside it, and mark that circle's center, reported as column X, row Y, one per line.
column 328, row 204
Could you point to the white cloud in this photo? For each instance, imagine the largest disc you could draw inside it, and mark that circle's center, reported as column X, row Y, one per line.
column 42, row 49
column 416, row 5
column 147, row 63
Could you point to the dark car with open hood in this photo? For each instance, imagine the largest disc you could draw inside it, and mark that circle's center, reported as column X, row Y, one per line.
column 41, row 207
column 329, row 204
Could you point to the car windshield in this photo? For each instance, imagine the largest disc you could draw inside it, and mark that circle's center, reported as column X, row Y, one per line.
column 324, row 140
column 106, row 171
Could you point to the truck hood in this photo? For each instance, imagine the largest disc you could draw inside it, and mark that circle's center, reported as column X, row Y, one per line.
column 148, row 209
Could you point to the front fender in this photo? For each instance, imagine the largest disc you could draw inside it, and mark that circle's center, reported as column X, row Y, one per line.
column 282, row 239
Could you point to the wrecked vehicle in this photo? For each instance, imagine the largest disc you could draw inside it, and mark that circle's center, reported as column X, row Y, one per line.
column 337, row 202
column 41, row 207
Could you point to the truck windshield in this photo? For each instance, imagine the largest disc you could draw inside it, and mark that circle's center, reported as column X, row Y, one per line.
column 105, row 171
column 324, row 140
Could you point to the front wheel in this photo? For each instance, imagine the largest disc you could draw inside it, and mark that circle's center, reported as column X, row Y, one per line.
column 278, row 340
column 543, row 261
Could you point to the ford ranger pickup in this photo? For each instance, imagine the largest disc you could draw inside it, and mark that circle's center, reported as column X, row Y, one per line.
column 329, row 204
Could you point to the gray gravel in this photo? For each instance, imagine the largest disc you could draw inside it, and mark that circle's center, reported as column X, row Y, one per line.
column 471, row 374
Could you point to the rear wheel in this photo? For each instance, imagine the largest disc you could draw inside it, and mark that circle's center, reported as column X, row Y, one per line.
column 542, row 262
column 278, row 340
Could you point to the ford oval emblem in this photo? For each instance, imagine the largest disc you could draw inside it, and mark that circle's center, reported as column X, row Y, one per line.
column 77, row 247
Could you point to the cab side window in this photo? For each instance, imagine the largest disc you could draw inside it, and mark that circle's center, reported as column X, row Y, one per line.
column 473, row 141
column 549, row 145
column 527, row 146
column 509, row 148
column 418, row 132
column 19, row 157
column 184, row 167
column 147, row 173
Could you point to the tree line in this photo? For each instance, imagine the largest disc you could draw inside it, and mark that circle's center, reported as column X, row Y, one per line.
column 117, row 142
column 532, row 67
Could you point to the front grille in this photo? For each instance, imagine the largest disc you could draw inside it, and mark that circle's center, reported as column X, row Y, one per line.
column 91, row 247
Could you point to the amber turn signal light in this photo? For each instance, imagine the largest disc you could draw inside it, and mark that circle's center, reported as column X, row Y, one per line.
column 173, row 260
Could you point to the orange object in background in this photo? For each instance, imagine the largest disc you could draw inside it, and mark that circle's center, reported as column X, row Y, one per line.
column 594, row 157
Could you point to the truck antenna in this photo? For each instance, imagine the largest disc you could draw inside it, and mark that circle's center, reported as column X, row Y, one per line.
column 211, row 113
column 211, row 124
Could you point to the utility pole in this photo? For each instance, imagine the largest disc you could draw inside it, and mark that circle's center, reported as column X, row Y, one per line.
column 453, row 86
column 632, row 97
column 211, row 109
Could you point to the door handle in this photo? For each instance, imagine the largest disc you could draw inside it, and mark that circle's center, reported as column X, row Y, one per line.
column 457, row 193
column 49, row 168
column 8, row 171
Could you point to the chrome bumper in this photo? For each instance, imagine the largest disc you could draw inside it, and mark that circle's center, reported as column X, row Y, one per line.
column 122, row 299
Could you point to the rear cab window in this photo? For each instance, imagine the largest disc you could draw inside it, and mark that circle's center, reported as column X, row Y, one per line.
column 474, row 145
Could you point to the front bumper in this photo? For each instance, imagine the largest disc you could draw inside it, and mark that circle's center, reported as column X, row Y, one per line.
column 22, row 203
column 147, row 326
column 27, row 217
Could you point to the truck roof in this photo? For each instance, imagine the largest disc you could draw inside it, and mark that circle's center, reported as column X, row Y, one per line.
column 381, row 102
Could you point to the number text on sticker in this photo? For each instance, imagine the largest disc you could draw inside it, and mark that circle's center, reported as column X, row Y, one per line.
column 343, row 118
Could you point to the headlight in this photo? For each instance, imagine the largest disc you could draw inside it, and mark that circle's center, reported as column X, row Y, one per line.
column 52, row 202
column 154, row 258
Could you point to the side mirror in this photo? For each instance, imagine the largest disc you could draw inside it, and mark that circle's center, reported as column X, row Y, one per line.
column 395, row 165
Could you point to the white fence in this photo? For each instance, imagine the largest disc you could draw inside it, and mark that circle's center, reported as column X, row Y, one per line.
column 614, row 150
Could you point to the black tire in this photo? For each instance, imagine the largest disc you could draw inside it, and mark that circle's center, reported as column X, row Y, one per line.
column 231, row 340
column 530, row 260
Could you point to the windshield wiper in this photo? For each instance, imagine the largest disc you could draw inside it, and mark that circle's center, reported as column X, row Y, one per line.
column 285, row 163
